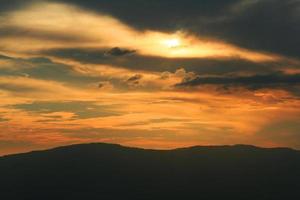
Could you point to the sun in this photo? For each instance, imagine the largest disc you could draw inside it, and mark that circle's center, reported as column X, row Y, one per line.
column 172, row 43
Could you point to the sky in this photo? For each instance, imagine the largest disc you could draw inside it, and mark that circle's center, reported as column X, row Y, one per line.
column 157, row 74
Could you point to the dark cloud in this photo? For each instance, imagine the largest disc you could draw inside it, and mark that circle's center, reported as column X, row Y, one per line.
column 6, row 6
column 116, row 51
column 135, row 79
column 274, row 80
column 105, row 85
column 267, row 25
column 101, row 85
column 157, row 14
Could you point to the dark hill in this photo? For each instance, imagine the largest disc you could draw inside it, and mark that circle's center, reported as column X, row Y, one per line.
column 105, row 171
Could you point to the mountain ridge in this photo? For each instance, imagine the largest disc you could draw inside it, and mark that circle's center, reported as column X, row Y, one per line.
column 109, row 171
column 196, row 147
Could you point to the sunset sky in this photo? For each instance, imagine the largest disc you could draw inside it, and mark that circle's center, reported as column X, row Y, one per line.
column 153, row 74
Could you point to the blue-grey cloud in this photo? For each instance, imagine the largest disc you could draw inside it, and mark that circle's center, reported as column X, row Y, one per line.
column 7, row 6
column 161, row 64
column 274, row 80
column 45, row 69
column 134, row 80
column 81, row 109
column 117, row 51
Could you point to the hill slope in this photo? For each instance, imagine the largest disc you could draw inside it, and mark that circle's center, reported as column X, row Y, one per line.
column 105, row 171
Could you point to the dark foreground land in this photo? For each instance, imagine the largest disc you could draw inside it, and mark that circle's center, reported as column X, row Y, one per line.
column 105, row 171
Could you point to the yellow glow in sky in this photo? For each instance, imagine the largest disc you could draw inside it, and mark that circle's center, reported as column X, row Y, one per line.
column 172, row 43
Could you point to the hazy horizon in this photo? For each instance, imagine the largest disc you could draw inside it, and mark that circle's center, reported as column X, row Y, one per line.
column 151, row 74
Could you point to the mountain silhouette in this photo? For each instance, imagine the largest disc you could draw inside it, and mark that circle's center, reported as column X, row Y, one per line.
column 108, row 171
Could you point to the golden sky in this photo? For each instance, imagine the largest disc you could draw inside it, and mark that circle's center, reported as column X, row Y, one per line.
column 71, row 72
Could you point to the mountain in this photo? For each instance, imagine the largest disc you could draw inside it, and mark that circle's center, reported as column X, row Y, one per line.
column 107, row 171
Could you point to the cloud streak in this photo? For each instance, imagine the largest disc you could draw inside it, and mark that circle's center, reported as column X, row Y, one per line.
column 275, row 80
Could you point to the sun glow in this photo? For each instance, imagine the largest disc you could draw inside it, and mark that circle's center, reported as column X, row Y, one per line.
column 172, row 43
